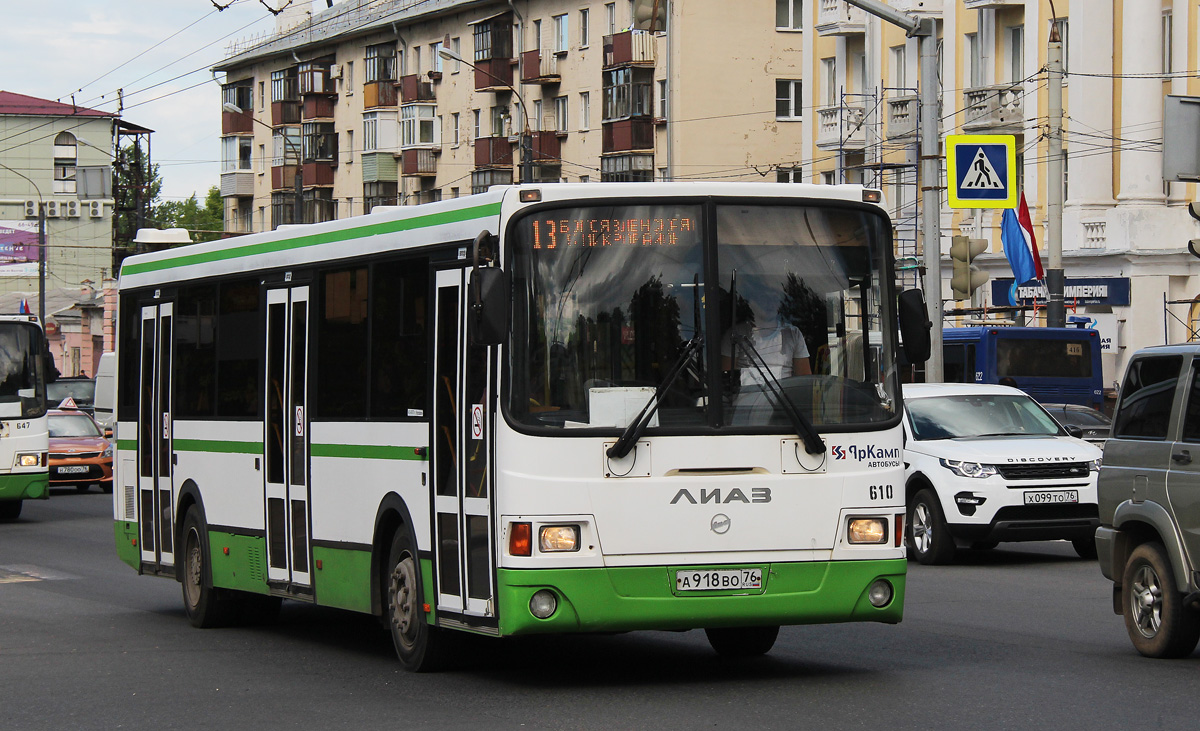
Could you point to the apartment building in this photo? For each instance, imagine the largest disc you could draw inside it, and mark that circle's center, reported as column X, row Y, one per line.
column 351, row 106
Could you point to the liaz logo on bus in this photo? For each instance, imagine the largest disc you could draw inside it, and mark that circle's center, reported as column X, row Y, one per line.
column 757, row 495
column 873, row 455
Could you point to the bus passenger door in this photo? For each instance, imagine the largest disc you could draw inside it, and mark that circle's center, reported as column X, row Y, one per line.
column 156, row 505
column 285, row 437
column 462, row 440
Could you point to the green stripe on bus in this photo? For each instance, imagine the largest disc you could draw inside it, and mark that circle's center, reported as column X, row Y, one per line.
column 364, row 451
column 328, row 237
column 215, row 445
column 126, row 444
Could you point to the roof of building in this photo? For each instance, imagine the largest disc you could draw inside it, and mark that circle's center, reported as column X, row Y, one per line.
column 348, row 19
column 31, row 106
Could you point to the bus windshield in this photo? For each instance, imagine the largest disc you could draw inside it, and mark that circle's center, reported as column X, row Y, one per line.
column 22, row 381
column 775, row 300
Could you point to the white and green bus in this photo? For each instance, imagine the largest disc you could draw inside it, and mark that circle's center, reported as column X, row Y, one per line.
column 24, row 436
column 541, row 409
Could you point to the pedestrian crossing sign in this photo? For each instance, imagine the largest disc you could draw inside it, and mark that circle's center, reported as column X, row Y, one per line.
column 982, row 171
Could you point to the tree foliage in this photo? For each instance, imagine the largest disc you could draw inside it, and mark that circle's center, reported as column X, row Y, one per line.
column 205, row 222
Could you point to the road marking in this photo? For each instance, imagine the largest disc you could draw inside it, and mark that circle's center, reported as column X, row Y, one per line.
column 16, row 574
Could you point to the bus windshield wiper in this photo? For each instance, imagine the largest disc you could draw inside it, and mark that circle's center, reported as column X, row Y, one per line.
column 638, row 426
column 813, row 444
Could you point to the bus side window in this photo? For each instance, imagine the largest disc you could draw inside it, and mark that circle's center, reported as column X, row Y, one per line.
column 956, row 366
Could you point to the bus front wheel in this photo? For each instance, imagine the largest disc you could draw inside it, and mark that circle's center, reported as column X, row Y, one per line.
column 742, row 641
column 420, row 647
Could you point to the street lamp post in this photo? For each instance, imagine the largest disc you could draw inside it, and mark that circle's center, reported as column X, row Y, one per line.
column 526, row 175
column 298, row 192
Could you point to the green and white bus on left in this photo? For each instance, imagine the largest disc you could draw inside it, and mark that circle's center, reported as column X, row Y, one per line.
column 24, row 436
column 541, row 409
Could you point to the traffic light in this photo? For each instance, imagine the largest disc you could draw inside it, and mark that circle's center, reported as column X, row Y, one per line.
column 966, row 277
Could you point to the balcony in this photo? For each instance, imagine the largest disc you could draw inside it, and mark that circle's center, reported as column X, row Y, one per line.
column 414, row 88
column 539, row 67
column 493, row 152
column 628, row 134
column 237, row 183
column 418, row 162
column 630, row 48
column 379, row 94
column 283, row 177
column 840, row 127
column 902, row 116
column 285, row 112
column 838, row 18
column 378, row 167
column 233, row 123
column 318, row 173
column 996, row 109
column 318, row 107
column 546, row 147
column 494, row 74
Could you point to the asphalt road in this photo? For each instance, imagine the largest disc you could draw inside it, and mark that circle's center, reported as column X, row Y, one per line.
column 1019, row 637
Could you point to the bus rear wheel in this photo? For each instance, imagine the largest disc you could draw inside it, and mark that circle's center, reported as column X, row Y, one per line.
column 420, row 647
column 206, row 606
column 742, row 641
column 10, row 509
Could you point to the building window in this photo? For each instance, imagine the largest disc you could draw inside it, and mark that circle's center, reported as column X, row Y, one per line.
column 285, row 86
column 416, row 53
column 973, row 61
column 456, row 44
column 829, row 76
column 627, row 168
column 610, row 17
column 418, row 125
column 1167, row 26
column 627, row 93
column 240, row 93
column 381, row 193
column 370, row 131
column 584, row 29
column 454, row 128
column 1016, row 53
column 237, row 154
column 585, row 110
column 262, row 159
column 789, row 14
column 283, row 209
column 478, row 123
column 537, row 116
column 435, row 56
column 348, row 77
column 65, row 162
column 827, row 177
column 493, row 39
column 560, row 114
column 286, row 146
column 319, row 144
column 899, row 69
column 350, row 147
column 381, row 62
column 319, row 205
column 789, row 174
column 315, row 77
column 537, row 35
column 562, row 33
column 262, row 96
column 787, row 99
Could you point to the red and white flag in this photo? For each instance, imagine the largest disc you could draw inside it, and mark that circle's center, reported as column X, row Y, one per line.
column 1027, row 225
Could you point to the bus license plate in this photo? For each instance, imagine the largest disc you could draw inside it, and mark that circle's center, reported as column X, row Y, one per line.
column 72, row 470
column 717, row 579
column 1051, row 497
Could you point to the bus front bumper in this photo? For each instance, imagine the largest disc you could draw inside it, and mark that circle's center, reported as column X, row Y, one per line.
column 645, row 598
column 28, row 486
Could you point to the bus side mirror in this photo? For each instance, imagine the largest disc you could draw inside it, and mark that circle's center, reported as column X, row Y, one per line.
column 914, row 325
column 489, row 300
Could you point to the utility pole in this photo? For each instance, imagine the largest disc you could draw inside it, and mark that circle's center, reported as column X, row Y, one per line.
column 1056, row 314
column 925, row 30
column 42, row 263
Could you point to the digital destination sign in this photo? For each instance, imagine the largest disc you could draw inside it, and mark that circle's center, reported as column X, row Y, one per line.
column 581, row 229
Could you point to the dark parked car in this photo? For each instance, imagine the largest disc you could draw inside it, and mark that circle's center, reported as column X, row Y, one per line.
column 1094, row 425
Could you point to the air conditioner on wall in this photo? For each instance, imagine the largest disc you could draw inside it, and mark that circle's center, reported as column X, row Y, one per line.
column 31, row 209
column 52, row 209
column 96, row 209
column 72, row 208
column 335, row 71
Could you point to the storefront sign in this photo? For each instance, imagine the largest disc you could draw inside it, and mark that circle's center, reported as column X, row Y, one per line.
column 1082, row 291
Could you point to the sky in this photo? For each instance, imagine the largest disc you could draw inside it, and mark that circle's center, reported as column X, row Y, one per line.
column 158, row 51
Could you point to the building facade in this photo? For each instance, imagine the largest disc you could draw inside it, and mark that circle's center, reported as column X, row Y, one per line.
column 354, row 106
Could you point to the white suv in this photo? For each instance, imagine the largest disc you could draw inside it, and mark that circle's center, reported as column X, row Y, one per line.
column 985, row 464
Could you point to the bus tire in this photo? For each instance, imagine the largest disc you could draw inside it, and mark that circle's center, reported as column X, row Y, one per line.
column 1158, row 623
column 206, row 606
column 10, row 509
column 928, row 538
column 742, row 641
column 420, row 647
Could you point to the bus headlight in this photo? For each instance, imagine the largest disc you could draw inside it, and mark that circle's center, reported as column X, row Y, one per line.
column 552, row 538
column 28, row 459
column 867, row 530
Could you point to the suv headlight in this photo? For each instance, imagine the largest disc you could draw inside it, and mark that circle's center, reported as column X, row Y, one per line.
column 1095, row 464
column 969, row 469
